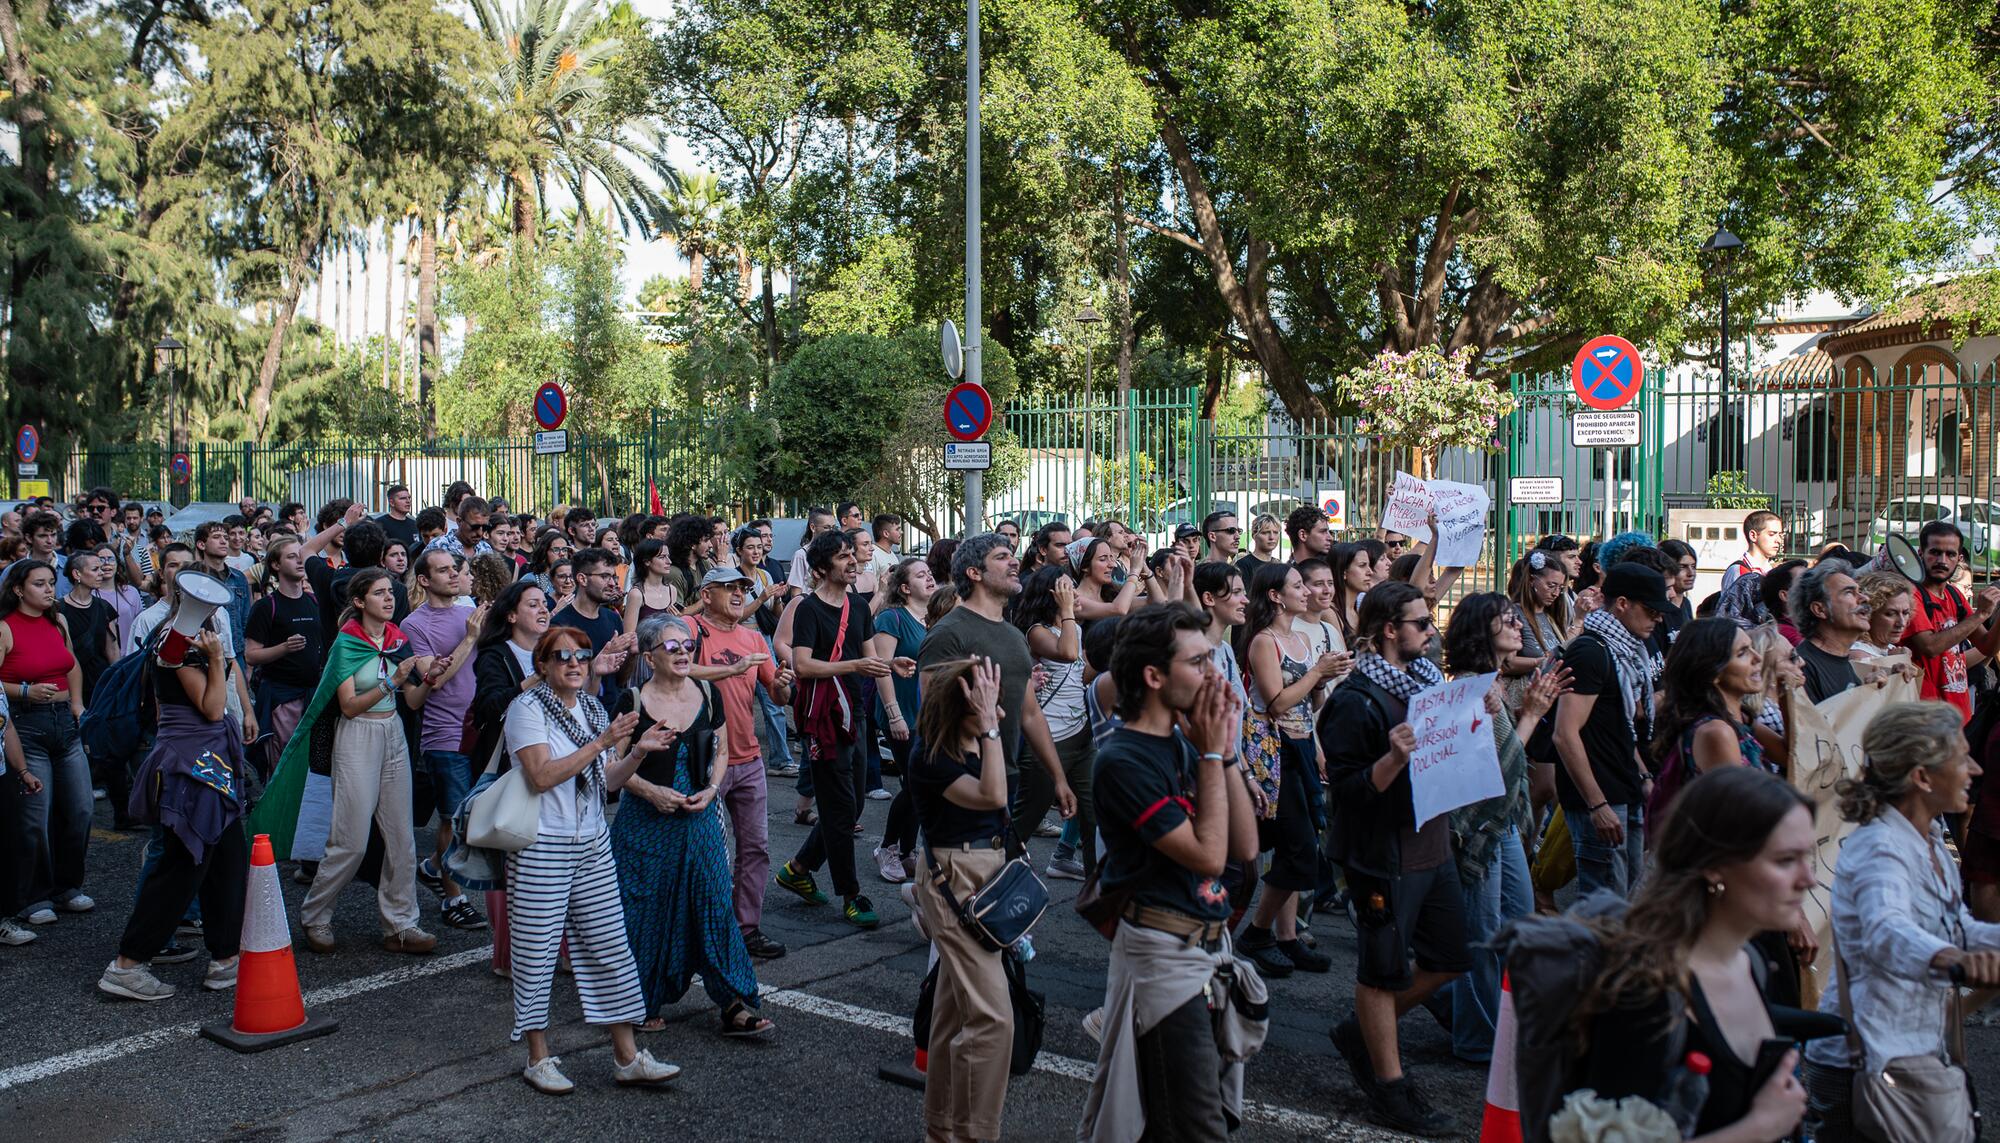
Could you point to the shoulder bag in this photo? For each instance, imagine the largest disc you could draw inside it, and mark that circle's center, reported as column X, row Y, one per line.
column 1001, row 911
column 506, row 815
column 1912, row 1097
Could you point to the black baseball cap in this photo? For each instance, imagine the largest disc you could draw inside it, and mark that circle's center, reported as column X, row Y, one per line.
column 1638, row 583
column 1186, row 530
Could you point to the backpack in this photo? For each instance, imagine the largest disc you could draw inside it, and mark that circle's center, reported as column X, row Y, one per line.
column 122, row 707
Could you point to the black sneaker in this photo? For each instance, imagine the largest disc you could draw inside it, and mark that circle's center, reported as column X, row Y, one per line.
column 1353, row 1049
column 1398, row 1103
column 176, row 953
column 1270, row 962
column 461, row 914
column 429, row 877
column 761, row 946
column 1305, row 959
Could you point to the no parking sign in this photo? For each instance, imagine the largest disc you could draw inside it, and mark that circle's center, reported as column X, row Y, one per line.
column 1333, row 502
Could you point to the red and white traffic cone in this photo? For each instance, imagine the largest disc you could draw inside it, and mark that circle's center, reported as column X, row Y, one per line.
column 1502, row 1121
column 270, row 1010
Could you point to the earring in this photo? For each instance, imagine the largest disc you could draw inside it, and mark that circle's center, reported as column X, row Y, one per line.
column 1716, row 888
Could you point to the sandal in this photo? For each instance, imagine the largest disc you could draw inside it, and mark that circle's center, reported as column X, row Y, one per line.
column 739, row 1022
column 806, row 817
column 656, row 1024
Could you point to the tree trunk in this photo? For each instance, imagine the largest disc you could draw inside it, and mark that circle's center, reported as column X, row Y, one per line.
column 427, row 324
column 281, row 320
column 524, row 204
column 770, row 328
column 1247, row 296
column 390, row 337
column 1215, row 374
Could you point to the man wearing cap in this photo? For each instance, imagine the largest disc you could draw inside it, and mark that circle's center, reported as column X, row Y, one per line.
column 1602, row 727
column 1187, row 541
column 735, row 660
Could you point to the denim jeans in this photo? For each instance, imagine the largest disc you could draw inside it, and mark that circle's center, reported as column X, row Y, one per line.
column 780, row 754
column 50, row 831
column 1502, row 895
column 1602, row 865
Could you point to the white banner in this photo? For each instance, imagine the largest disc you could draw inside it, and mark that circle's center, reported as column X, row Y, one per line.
column 1826, row 747
column 1455, row 763
column 1461, row 516
column 1409, row 508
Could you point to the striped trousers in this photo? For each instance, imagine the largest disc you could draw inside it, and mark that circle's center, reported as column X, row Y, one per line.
column 569, row 885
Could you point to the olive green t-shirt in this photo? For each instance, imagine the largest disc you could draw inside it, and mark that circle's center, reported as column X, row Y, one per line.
column 963, row 632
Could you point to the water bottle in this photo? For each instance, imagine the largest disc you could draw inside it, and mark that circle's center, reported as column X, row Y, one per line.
column 1687, row 1090
column 1023, row 949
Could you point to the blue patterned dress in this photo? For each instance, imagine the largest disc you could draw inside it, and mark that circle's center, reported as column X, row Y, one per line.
column 674, row 880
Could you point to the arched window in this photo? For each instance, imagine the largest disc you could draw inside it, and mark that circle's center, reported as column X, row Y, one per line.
column 1950, row 458
column 1724, row 433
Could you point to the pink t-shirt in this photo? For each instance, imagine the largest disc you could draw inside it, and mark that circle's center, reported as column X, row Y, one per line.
column 437, row 631
column 721, row 648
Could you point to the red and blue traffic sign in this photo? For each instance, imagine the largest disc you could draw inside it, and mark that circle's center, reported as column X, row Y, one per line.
column 968, row 411
column 27, row 443
column 182, row 466
column 1607, row 373
column 551, row 406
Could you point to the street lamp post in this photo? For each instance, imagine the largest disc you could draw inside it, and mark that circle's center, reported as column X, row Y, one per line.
column 167, row 358
column 1720, row 245
column 975, row 484
column 1088, row 319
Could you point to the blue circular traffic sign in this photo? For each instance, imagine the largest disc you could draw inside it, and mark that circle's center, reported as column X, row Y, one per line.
column 551, row 406
column 27, row 442
column 1607, row 373
column 182, row 466
column 968, row 411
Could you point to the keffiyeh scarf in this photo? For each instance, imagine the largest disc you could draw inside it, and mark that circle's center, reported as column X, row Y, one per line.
column 1632, row 665
column 1406, row 683
column 590, row 783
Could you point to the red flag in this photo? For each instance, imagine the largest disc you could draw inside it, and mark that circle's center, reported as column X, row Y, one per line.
column 653, row 499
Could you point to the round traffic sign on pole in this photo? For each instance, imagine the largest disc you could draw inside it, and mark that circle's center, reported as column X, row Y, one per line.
column 968, row 411
column 182, row 466
column 27, row 443
column 1607, row 373
column 551, row 406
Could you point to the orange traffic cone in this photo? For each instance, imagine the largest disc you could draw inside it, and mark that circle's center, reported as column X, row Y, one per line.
column 269, row 1007
column 1502, row 1122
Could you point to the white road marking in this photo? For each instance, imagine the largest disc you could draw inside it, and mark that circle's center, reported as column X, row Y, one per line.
column 1283, row 1118
column 1303, row 1123
column 43, row 1069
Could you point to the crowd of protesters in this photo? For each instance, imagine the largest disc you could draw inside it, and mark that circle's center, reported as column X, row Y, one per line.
column 1216, row 734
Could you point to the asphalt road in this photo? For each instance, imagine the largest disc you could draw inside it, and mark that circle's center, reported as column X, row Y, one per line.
column 422, row 1049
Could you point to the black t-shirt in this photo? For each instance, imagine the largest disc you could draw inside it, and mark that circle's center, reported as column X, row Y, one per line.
column 404, row 529
column 815, row 624
column 1143, row 787
column 86, row 638
column 1628, row 1056
column 1248, row 565
column 167, row 688
column 276, row 618
column 1826, row 675
column 1608, row 740
column 608, row 625
column 944, row 821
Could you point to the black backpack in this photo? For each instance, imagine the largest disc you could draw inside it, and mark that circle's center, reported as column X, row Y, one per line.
column 122, row 707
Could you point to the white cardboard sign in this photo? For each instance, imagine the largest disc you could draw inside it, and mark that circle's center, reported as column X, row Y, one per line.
column 1409, row 507
column 1461, row 512
column 1455, row 763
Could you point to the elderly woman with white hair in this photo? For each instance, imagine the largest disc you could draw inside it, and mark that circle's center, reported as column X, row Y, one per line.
column 1903, row 939
column 668, row 839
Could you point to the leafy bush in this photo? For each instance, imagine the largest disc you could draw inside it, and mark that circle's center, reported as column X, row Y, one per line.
column 1733, row 490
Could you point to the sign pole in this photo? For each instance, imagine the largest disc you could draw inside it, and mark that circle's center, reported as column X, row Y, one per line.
column 1610, row 489
column 975, row 491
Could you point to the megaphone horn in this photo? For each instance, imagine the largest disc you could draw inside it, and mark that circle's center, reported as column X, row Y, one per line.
column 200, row 595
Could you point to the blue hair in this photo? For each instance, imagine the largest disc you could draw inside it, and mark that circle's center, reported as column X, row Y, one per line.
column 1614, row 551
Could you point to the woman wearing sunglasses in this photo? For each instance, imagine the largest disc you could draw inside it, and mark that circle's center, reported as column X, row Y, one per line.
column 566, row 882
column 671, row 851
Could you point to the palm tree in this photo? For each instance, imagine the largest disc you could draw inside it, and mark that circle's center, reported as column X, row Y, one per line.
column 546, row 80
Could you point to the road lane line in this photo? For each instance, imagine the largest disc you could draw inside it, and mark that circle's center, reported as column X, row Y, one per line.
column 21, row 1074
column 1303, row 1123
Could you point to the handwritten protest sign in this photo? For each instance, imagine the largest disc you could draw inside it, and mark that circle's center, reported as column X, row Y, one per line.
column 1409, row 508
column 1455, row 763
column 1826, row 747
column 1461, row 516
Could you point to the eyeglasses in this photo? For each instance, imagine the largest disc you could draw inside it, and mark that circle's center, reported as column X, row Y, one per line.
column 1423, row 624
column 465, row 527
column 1197, row 660
column 676, row 646
column 572, row 654
column 1509, row 620
column 1228, row 531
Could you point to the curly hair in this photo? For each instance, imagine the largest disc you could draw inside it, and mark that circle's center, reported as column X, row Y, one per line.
column 491, row 573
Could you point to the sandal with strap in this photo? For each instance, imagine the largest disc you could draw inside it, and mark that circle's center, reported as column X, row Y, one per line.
column 740, row 1023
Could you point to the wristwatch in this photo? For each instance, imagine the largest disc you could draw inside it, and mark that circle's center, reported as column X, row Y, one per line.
column 993, row 734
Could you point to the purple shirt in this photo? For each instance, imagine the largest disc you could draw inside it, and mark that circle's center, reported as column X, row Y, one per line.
column 437, row 631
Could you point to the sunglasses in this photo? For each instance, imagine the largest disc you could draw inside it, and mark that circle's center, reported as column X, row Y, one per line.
column 1423, row 624
column 572, row 655
column 675, row 646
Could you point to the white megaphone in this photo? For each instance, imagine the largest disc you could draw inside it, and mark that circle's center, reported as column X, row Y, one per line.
column 200, row 595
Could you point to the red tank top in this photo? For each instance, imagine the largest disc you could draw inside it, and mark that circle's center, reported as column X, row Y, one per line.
column 39, row 654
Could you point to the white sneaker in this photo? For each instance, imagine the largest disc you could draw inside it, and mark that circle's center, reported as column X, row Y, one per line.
column 133, row 983
column 1093, row 1024
column 218, row 978
column 77, row 904
column 13, row 932
column 42, row 916
column 879, row 794
column 889, row 864
column 545, row 1075
column 644, row 1069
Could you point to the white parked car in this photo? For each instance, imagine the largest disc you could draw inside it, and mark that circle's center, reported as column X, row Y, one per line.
column 1977, row 518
